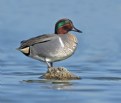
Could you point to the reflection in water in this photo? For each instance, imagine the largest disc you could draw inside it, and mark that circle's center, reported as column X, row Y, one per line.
column 52, row 84
column 107, row 78
column 70, row 86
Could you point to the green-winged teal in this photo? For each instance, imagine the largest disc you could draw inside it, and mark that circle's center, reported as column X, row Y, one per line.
column 52, row 47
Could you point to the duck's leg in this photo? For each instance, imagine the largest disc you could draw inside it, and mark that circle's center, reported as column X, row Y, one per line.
column 49, row 65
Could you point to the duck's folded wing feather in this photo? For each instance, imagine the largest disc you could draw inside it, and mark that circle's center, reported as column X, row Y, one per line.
column 36, row 40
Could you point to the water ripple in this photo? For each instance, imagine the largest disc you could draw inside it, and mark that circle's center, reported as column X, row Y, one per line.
column 106, row 78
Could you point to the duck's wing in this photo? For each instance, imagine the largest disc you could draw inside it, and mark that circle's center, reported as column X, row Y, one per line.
column 35, row 40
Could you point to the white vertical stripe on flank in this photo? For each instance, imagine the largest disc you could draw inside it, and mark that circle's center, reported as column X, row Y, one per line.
column 61, row 42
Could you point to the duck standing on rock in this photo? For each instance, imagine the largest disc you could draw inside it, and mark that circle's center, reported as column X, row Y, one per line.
column 51, row 48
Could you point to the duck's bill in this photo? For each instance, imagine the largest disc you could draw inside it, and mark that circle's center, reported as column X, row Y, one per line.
column 76, row 30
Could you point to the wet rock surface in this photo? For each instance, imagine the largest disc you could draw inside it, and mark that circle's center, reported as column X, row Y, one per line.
column 59, row 73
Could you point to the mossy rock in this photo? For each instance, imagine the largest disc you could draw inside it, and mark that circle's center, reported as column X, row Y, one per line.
column 59, row 73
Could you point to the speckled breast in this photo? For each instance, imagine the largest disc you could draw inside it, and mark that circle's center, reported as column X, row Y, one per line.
column 70, row 44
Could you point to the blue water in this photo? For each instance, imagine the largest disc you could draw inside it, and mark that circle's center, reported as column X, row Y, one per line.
column 97, row 60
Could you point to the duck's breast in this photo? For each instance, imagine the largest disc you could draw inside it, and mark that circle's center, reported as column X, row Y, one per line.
column 70, row 44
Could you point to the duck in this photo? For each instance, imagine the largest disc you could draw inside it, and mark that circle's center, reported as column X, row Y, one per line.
column 50, row 48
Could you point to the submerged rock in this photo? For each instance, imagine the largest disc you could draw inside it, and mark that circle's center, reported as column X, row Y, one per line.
column 59, row 73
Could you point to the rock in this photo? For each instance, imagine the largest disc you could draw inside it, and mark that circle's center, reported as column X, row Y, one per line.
column 59, row 73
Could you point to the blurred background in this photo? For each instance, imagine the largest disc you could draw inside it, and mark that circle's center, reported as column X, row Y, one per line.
column 97, row 59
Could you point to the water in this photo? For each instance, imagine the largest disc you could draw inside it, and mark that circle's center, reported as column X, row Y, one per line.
column 97, row 59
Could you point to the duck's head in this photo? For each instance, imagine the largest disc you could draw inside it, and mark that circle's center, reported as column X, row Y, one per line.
column 63, row 26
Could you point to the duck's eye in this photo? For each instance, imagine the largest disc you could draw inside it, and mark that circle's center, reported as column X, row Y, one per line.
column 65, row 27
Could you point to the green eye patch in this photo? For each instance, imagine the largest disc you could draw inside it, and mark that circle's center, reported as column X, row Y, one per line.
column 61, row 24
